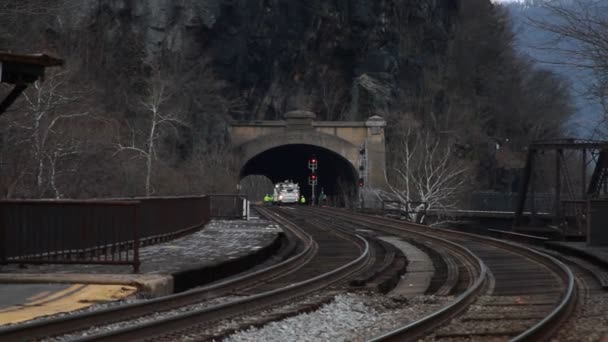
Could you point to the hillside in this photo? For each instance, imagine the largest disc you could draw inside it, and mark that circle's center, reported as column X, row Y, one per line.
column 144, row 103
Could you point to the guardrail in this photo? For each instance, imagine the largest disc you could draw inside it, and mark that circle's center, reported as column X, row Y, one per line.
column 94, row 231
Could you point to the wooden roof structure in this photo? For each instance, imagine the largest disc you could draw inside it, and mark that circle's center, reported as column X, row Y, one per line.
column 21, row 70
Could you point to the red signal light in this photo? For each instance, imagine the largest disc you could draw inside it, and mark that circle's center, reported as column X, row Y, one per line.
column 313, row 176
column 360, row 183
column 312, row 164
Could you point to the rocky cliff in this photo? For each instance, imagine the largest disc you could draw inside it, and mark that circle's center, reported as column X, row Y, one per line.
column 344, row 59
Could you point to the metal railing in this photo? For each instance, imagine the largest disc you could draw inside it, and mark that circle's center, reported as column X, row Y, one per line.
column 166, row 218
column 94, row 231
column 69, row 232
column 506, row 202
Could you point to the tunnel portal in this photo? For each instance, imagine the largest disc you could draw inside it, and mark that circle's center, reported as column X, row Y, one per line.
column 351, row 154
column 336, row 175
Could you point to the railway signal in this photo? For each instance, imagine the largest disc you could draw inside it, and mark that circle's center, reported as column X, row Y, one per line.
column 312, row 178
column 312, row 164
column 362, row 167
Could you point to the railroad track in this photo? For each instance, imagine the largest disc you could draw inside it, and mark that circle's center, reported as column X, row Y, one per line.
column 299, row 250
column 322, row 270
column 473, row 269
column 589, row 321
column 324, row 258
column 541, row 288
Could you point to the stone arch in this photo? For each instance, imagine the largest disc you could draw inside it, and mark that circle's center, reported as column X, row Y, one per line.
column 250, row 149
column 353, row 145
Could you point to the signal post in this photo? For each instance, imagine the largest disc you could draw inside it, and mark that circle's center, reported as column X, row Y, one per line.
column 312, row 179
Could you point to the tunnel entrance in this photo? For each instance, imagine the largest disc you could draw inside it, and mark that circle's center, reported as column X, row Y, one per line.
column 336, row 176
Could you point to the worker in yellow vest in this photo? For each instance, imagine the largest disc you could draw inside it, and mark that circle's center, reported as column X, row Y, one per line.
column 302, row 200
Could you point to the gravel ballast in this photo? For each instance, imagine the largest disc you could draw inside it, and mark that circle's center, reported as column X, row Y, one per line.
column 349, row 317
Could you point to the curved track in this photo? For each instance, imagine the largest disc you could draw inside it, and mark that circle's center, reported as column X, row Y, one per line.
column 528, row 294
column 325, row 258
column 503, row 291
column 300, row 241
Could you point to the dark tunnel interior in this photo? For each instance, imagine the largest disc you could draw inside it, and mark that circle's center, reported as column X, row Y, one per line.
column 335, row 174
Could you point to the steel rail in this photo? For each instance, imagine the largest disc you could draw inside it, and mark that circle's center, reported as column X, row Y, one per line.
column 66, row 324
column 423, row 325
column 452, row 271
column 543, row 329
column 251, row 303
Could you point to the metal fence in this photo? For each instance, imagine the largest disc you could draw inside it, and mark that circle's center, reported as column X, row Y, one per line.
column 499, row 201
column 96, row 231
column 165, row 218
column 64, row 232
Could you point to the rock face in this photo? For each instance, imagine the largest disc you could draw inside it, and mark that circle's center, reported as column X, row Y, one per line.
column 342, row 58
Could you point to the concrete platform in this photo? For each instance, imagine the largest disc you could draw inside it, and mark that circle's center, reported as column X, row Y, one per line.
column 420, row 270
column 220, row 249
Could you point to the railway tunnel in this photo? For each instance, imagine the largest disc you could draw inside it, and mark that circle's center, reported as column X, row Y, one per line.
column 348, row 152
column 336, row 175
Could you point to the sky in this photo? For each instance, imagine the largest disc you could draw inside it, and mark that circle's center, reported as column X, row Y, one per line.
column 532, row 42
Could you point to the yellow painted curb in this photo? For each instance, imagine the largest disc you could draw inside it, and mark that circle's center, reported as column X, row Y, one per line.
column 75, row 297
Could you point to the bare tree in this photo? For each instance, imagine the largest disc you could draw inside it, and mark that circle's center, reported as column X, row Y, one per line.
column 45, row 130
column 159, row 119
column 208, row 170
column 44, row 119
column 581, row 28
column 425, row 168
column 333, row 96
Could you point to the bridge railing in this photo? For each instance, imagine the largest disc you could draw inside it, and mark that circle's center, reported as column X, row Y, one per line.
column 94, row 231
